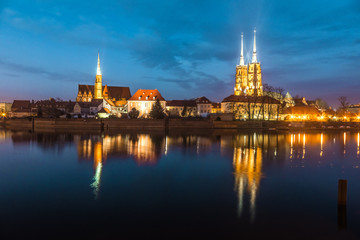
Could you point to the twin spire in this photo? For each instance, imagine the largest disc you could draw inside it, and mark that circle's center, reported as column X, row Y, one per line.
column 254, row 56
column 98, row 71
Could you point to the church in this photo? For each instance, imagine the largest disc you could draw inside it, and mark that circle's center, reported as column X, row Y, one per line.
column 113, row 95
column 249, row 101
column 248, row 77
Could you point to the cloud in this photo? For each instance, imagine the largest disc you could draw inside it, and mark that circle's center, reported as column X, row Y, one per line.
column 12, row 68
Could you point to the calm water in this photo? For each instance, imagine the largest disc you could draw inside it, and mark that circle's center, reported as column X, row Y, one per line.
column 215, row 185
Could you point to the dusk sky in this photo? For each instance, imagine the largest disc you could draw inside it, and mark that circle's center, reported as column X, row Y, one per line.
column 184, row 48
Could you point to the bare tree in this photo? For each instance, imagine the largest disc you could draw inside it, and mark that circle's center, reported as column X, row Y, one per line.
column 280, row 97
column 343, row 102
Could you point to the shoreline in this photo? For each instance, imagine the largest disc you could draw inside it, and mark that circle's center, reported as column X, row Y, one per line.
column 182, row 125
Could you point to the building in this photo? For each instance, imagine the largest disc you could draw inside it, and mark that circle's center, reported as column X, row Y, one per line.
column 143, row 101
column 21, row 108
column 248, row 79
column 88, row 108
column 52, row 107
column 204, row 106
column 4, row 109
column 249, row 101
column 301, row 113
column 182, row 108
column 251, row 107
column 215, row 107
column 118, row 96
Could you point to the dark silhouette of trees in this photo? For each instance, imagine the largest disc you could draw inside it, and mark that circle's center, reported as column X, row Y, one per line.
column 157, row 111
column 134, row 113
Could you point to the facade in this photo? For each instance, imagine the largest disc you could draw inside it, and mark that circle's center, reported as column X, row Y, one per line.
column 248, row 80
column 204, row 106
column 88, row 108
column 215, row 107
column 251, row 107
column 301, row 113
column 5, row 108
column 143, row 101
column 21, row 108
column 115, row 96
column 182, row 108
column 52, row 108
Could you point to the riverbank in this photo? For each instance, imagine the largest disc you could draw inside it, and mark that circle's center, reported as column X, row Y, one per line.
column 73, row 125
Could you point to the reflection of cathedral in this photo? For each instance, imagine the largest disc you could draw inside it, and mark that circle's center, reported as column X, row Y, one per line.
column 248, row 154
column 247, row 169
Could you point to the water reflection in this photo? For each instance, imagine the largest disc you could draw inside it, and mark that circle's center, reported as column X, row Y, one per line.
column 252, row 154
column 247, row 170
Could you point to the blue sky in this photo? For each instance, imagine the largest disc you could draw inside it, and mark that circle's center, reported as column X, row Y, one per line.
column 184, row 48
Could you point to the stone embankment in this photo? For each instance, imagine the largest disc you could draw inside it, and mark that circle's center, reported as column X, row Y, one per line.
column 40, row 124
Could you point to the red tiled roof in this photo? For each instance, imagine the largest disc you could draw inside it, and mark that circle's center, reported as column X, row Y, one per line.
column 179, row 103
column 21, row 106
column 93, row 103
column 252, row 99
column 147, row 95
column 202, row 100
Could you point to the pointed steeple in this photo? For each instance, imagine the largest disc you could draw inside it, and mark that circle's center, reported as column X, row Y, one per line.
column 254, row 57
column 242, row 62
column 98, row 71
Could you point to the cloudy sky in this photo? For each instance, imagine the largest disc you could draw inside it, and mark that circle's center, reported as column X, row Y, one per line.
column 184, row 48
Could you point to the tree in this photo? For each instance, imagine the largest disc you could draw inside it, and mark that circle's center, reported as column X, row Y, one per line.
column 39, row 112
column 134, row 113
column 343, row 102
column 280, row 97
column 157, row 111
column 322, row 104
column 184, row 112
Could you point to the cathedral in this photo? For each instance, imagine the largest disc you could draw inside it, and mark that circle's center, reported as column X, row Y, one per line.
column 248, row 80
column 116, row 96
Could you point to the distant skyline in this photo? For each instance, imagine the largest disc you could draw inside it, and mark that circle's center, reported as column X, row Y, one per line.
column 183, row 48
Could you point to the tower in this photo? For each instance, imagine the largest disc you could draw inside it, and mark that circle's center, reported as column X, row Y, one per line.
column 254, row 73
column 98, row 81
column 241, row 72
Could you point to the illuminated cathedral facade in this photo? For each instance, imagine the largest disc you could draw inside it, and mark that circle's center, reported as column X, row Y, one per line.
column 248, row 81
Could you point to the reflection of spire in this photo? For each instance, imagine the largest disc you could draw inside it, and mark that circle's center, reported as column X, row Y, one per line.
column 321, row 144
column 304, row 146
column 344, row 143
column 358, row 144
column 291, row 146
column 96, row 183
column 98, row 168
column 254, row 57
